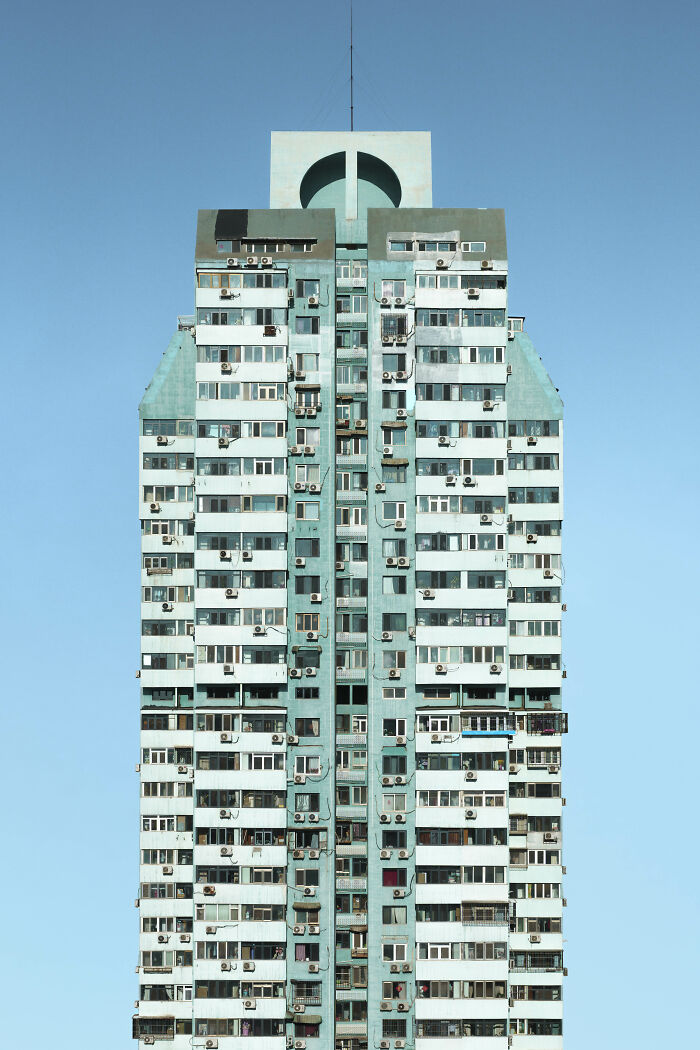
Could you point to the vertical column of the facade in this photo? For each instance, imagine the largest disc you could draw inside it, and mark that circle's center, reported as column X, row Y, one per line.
column 391, row 634
column 240, row 862
column 311, row 743
column 462, row 724
column 350, row 630
column 535, row 579
column 166, row 452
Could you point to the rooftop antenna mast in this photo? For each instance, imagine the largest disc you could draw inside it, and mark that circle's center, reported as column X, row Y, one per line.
column 352, row 108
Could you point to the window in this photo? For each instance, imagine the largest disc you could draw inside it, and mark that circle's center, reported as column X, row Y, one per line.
column 308, row 511
column 391, row 289
column 306, row 287
column 307, row 325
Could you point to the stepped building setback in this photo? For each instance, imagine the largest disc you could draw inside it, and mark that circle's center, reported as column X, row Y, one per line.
column 351, row 584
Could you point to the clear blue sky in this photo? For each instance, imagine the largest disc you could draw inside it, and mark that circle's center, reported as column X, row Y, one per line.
column 118, row 122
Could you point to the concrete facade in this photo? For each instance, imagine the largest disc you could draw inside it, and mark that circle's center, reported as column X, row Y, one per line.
column 351, row 677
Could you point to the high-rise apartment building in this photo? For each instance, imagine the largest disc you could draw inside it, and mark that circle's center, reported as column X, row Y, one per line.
column 351, row 717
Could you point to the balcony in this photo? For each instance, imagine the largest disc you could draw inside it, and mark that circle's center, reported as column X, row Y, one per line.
column 351, row 353
column 359, row 918
column 350, row 320
column 351, row 388
column 351, row 496
column 359, row 460
column 350, row 674
column 351, row 884
column 350, row 284
column 350, row 776
column 308, row 1000
column 351, row 740
column 351, row 638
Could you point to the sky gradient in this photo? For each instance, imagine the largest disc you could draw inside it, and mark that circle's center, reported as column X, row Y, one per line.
column 118, row 123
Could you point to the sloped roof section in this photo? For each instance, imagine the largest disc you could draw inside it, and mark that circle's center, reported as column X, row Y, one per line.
column 531, row 393
column 170, row 393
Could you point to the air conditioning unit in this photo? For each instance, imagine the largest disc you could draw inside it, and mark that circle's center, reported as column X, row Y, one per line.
column 224, row 814
column 411, row 632
column 470, row 814
column 387, row 781
column 380, row 487
column 300, row 563
column 552, row 769
column 223, row 442
column 532, row 537
column 402, row 1008
column 400, row 818
column 394, row 673
column 251, row 260
column 311, row 413
column 225, row 293
column 404, row 563
column 401, row 376
column 403, row 854
column 299, row 1008
column 400, row 780
column 339, row 566
column 161, row 440
column 496, row 668
column 385, row 854
column 269, row 330
column 467, row 480
column 311, row 672
column 299, row 929
column 149, row 1039
column 443, row 441
column 249, row 1004
column 314, row 930
column 548, row 574
column 166, row 540
column 487, row 264
column 316, row 598
column 399, row 1044
column 309, row 450
column 299, row 486
column 451, row 479
column 163, row 938
column 249, row 967
column 509, row 370
column 386, row 376
column 155, row 508
column 300, row 1044
column 470, row 774
column 313, row 818
column 488, row 405
column 167, row 606
column 266, row 261
column 314, row 488
column 441, row 264
column 401, row 741
column 314, row 854
column 388, row 450
column 427, row 593
column 226, row 851
column 224, row 556
column 535, row 938
column 360, row 424
column 387, row 636
column 532, row 440
column 473, row 293
column 294, row 450
column 226, row 966
column 209, row 891
column 549, row 836
column 259, row 629
column 485, row 519
column 385, row 819
column 210, row 931
column 182, row 769
column 312, row 636
column 300, row 778
column 230, row 262
column 401, row 413
column 247, row 555
column 231, row 592
column 312, row 300
column 314, row 968
column 299, row 411
column 513, row 768
column 387, row 341
column 385, row 301
column 400, row 523
column 385, row 1005
column 228, row 668
column 294, row 672
column 399, row 301
column 401, row 340
column 185, row 938
column 309, row 891
column 383, row 1044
